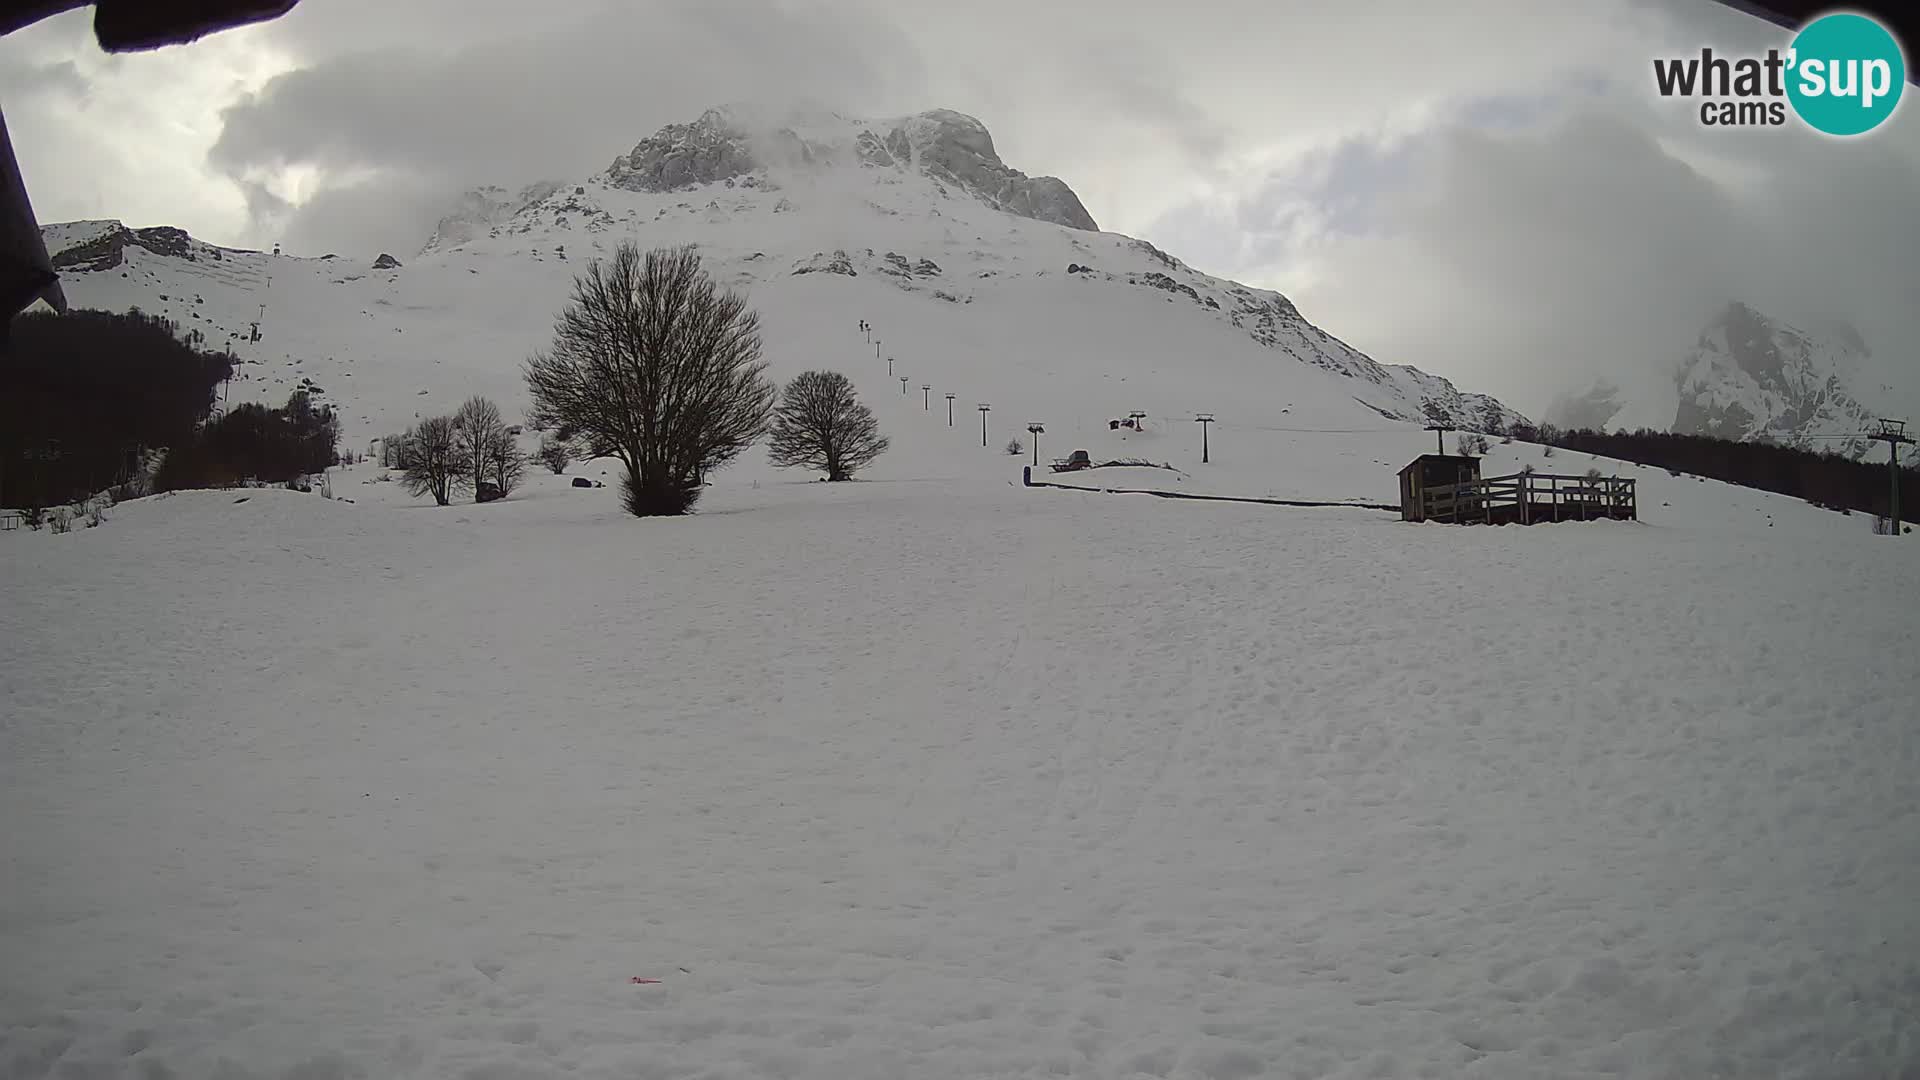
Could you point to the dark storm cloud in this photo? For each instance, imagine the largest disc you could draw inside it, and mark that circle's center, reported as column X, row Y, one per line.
column 395, row 133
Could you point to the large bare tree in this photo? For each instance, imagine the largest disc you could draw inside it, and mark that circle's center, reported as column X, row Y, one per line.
column 431, row 458
column 655, row 365
column 477, row 428
column 820, row 424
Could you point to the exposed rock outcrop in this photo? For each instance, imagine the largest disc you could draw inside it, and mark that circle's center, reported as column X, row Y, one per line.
column 1750, row 377
column 954, row 149
column 108, row 249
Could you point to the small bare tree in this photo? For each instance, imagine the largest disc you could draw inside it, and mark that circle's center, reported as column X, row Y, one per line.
column 1015, row 447
column 820, row 424
column 554, row 454
column 506, row 465
column 431, row 460
column 654, row 364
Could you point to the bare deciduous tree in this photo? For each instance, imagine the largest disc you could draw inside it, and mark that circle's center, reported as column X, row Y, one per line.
column 554, row 454
column 431, row 459
column 653, row 364
column 477, row 427
column 506, row 465
column 393, row 450
column 820, row 424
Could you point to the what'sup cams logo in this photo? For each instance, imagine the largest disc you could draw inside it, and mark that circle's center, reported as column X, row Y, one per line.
column 1841, row 75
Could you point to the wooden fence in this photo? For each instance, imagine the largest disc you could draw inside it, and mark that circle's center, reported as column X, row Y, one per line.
column 1531, row 498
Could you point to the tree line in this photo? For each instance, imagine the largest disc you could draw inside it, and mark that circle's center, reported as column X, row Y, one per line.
column 97, row 401
column 1825, row 479
column 254, row 442
column 84, row 396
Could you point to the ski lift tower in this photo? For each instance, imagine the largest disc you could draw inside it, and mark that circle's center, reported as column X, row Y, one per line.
column 1893, row 433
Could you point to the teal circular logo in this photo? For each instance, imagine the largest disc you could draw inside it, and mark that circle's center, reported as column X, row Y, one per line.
column 1845, row 73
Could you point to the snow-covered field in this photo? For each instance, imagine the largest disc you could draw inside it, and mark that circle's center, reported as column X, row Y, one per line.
column 936, row 775
column 951, row 779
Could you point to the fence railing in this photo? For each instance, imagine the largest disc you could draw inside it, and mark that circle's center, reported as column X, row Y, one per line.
column 1527, row 498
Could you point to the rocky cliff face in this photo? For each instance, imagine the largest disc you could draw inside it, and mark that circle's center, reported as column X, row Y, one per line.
column 1750, row 377
column 710, row 150
column 955, row 148
column 725, row 146
column 106, row 247
column 483, row 209
column 1747, row 376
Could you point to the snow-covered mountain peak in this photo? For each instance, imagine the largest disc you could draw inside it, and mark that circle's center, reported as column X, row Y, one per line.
column 1748, row 375
column 757, row 146
column 998, row 280
column 1752, row 377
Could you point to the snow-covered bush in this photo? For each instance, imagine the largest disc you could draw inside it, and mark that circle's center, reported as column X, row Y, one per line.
column 1015, row 447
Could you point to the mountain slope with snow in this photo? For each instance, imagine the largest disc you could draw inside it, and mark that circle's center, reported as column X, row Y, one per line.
column 1047, row 322
column 481, row 209
column 1750, row 376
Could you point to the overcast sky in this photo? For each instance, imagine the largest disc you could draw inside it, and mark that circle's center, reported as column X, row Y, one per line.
column 1486, row 189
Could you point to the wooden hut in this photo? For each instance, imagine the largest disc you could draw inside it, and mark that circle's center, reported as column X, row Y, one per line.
column 1428, row 483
